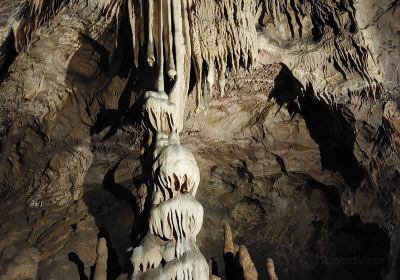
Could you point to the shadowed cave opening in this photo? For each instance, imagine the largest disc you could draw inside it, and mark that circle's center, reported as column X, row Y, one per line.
column 336, row 246
column 8, row 54
column 327, row 126
column 358, row 250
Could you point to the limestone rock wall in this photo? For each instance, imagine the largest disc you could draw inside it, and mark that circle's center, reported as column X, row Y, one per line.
column 292, row 114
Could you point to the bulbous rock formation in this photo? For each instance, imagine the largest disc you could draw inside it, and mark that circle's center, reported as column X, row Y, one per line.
column 176, row 216
column 176, row 171
column 175, row 220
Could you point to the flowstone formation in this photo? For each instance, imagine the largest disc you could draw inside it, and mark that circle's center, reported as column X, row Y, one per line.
column 176, row 216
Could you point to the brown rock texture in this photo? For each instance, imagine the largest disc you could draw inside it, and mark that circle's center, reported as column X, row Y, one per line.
column 293, row 116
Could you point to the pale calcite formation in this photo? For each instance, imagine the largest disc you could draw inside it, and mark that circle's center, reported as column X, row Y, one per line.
column 176, row 32
column 160, row 111
column 217, row 36
column 151, row 252
column 176, row 171
column 163, row 140
column 179, row 218
column 191, row 265
column 101, row 260
column 271, row 269
column 229, row 246
column 176, row 216
column 169, row 250
column 212, row 276
column 222, row 33
column 249, row 270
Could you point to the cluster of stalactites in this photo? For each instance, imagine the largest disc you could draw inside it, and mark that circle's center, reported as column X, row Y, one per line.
column 222, row 33
column 31, row 15
column 166, row 33
column 322, row 11
column 211, row 34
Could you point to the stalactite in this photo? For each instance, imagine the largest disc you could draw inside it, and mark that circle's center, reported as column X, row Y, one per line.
column 150, row 39
column 221, row 31
column 336, row 54
column 210, row 33
column 160, row 48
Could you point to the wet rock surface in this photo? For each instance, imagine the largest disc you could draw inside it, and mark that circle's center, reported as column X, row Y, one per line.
column 301, row 155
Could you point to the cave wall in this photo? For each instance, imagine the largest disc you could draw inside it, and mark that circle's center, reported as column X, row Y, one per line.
column 301, row 155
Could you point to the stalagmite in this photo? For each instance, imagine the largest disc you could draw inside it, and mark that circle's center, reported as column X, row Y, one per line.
column 149, row 254
column 229, row 246
column 101, row 260
column 233, row 252
column 249, row 270
column 163, row 140
column 212, row 276
column 271, row 269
